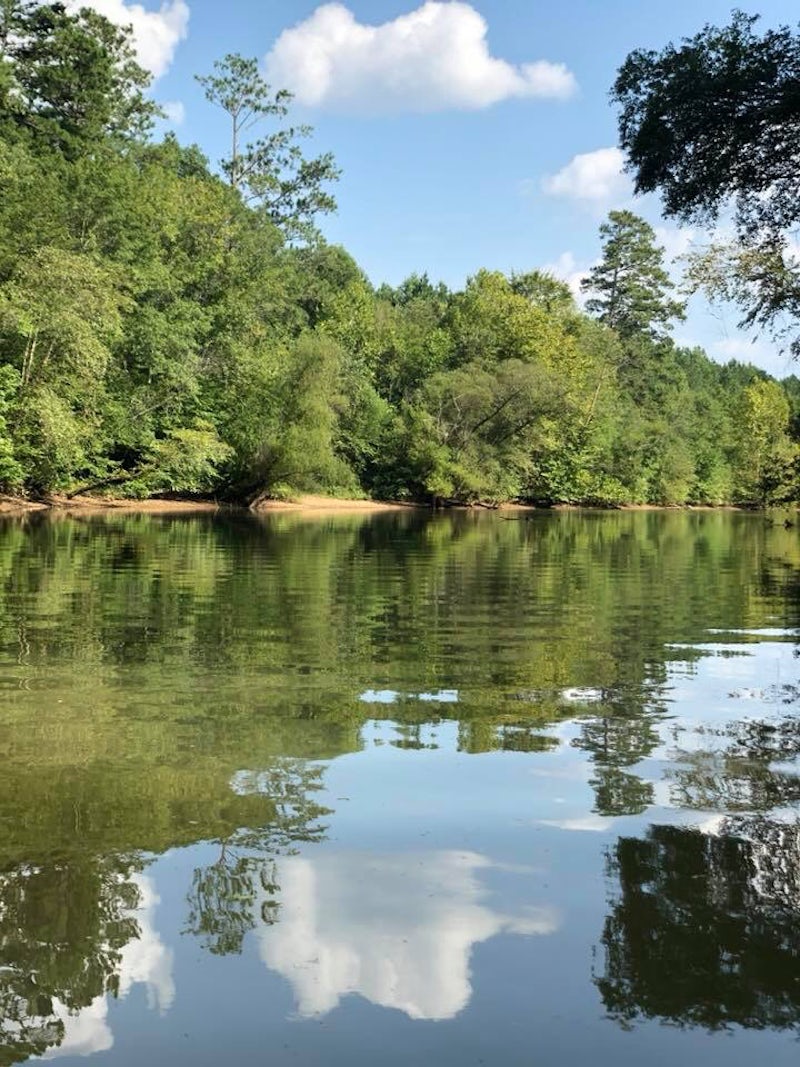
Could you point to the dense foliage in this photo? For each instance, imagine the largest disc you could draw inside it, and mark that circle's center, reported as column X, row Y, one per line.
column 164, row 328
column 712, row 124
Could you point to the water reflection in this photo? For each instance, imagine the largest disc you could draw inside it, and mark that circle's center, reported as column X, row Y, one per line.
column 284, row 707
column 73, row 934
column 704, row 927
column 144, row 960
column 223, row 897
column 747, row 765
column 396, row 929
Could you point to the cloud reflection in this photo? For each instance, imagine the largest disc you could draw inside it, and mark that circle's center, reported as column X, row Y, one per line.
column 145, row 960
column 398, row 930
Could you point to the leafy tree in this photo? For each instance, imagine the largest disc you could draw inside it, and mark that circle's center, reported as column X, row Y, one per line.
column 717, row 117
column 764, row 453
column 630, row 286
column 761, row 275
column 413, row 288
column 544, row 290
column 271, row 170
column 715, row 121
column 69, row 80
column 11, row 472
column 58, row 317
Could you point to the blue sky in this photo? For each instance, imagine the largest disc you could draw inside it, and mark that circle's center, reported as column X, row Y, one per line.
column 456, row 125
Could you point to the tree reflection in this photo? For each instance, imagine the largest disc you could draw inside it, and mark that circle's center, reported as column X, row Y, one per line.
column 740, row 768
column 704, row 927
column 615, row 743
column 63, row 926
column 74, row 927
column 224, row 895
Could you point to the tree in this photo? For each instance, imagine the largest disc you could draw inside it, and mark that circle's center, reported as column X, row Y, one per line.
column 761, row 276
column 59, row 315
column 714, row 119
column 69, row 79
column 271, row 169
column 630, row 284
column 764, row 453
column 545, row 290
column 713, row 123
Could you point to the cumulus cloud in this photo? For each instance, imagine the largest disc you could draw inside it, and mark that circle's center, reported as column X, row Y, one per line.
column 431, row 59
column 595, row 177
column 156, row 34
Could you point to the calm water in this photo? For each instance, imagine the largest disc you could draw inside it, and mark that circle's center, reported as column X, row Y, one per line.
column 400, row 790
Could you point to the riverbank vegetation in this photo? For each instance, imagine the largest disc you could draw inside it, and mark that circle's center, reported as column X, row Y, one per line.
column 166, row 326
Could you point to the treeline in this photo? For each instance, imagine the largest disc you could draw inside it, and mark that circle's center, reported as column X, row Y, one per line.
column 167, row 329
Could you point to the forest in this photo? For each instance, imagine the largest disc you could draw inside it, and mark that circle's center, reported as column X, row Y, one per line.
column 170, row 326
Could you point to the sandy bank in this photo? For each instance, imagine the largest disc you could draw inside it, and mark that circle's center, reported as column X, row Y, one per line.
column 92, row 504
column 83, row 505
column 308, row 504
column 328, row 505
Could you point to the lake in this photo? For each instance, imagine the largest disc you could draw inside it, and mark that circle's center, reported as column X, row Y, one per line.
column 400, row 789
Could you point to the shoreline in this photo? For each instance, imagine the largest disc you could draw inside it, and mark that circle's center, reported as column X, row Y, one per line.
column 314, row 504
column 307, row 503
column 311, row 503
column 82, row 505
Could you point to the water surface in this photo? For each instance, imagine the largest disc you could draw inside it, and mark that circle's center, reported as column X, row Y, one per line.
column 400, row 789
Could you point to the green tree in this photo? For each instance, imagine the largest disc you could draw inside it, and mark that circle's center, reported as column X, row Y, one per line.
column 764, row 454
column 761, row 275
column 69, row 80
column 630, row 286
column 271, row 170
column 712, row 121
column 714, row 118
column 544, row 290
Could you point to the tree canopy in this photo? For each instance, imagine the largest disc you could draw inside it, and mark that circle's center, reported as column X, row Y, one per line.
column 169, row 328
column 630, row 286
column 713, row 124
column 716, row 118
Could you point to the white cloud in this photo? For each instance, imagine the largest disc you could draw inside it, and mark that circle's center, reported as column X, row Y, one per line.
column 175, row 111
column 596, row 177
column 156, row 34
column 431, row 59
